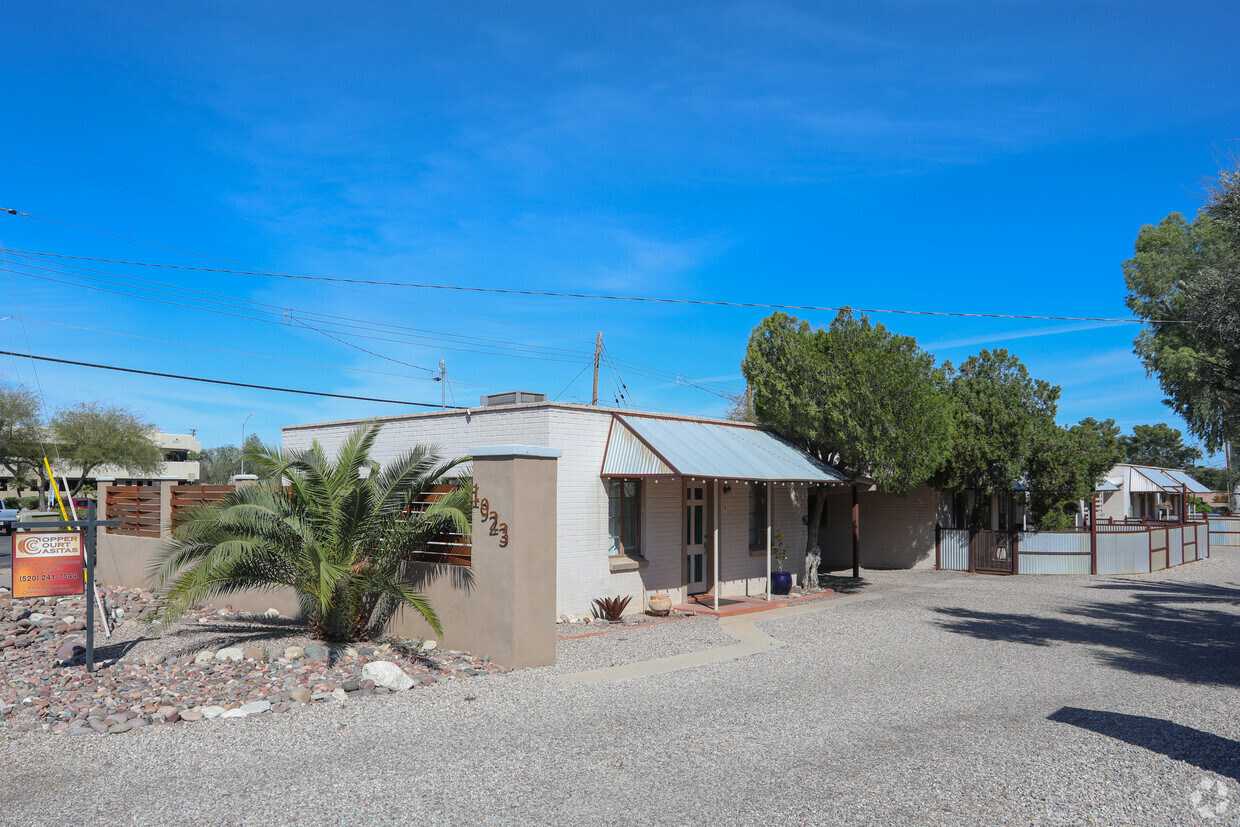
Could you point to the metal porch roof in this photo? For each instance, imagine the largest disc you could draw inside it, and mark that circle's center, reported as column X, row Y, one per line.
column 642, row 446
column 1106, row 485
column 1171, row 481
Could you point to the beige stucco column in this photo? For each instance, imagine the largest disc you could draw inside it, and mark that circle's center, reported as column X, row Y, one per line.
column 512, row 607
column 165, row 506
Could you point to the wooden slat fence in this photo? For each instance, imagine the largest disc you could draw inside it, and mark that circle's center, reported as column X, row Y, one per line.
column 137, row 508
column 451, row 548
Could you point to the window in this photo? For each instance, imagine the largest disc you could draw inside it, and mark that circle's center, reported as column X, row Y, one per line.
column 757, row 515
column 624, row 516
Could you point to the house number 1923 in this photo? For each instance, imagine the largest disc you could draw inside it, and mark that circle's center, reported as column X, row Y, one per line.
column 496, row 529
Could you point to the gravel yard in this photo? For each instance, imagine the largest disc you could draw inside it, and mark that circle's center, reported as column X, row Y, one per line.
column 943, row 699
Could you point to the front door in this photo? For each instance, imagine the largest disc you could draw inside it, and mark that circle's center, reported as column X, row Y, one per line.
column 695, row 537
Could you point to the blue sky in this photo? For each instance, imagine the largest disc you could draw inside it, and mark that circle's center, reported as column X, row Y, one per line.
column 980, row 157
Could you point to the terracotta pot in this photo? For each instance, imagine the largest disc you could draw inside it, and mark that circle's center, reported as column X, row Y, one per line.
column 660, row 605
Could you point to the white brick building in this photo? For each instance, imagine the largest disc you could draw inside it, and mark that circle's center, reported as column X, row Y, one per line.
column 640, row 497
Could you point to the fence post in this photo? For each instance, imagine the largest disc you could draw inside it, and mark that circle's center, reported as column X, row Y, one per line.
column 1015, row 540
column 165, row 506
column 1093, row 534
column 972, row 550
column 101, row 498
column 938, row 547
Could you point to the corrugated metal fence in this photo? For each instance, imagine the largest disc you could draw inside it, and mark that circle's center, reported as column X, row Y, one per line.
column 1122, row 548
column 1225, row 531
column 1053, row 552
column 954, row 549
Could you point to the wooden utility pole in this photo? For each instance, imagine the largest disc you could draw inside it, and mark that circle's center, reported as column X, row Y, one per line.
column 598, row 352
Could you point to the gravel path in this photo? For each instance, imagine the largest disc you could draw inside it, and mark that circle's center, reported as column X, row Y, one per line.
column 947, row 699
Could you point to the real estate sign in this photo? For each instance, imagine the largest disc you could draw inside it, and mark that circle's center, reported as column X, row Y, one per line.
column 47, row 563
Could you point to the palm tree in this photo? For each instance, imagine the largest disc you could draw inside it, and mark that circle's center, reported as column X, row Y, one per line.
column 342, row 533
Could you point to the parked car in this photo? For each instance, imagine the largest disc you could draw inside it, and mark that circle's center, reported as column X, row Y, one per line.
column 8, row 515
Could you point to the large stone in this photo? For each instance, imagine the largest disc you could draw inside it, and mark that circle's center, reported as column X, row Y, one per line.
column 387, row 674
column 234, row 713
column 231, row 653
column 256, row 707
column 255, row 654
column 212, row 711
column 339, row 694
column 301, row 695
column 205, row 656
column 271, row 613
column 71, row 648
column 191, row 715
column 316, row 652
column 428, row 645
column 294, row 653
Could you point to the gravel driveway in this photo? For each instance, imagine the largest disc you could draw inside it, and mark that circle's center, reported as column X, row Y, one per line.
column 945, row 699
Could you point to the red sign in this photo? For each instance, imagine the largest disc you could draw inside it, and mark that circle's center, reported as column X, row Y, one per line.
column 47, row 563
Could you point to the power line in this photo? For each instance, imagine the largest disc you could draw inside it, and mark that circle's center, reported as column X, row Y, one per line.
column 215, row 381
column 603, row 296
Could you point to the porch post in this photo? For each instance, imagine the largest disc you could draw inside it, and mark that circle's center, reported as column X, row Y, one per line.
column 715, row 543
column 770, row 490
column 1093, row 533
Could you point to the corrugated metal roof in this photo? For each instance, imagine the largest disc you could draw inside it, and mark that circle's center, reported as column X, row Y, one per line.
column 1194, row 487
column 691, row 448
column 628, row 456
column 1158, row 478
column 1106, row 485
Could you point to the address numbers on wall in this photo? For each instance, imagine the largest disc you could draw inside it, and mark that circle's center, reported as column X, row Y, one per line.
column 487, row 514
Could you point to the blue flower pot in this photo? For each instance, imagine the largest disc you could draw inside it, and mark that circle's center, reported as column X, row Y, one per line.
column 781, row 582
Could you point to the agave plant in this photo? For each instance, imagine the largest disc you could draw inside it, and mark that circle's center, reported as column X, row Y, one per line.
column 610, row 608
column 342, row 533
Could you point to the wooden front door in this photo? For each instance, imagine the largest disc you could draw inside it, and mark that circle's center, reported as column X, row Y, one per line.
column 695, row 537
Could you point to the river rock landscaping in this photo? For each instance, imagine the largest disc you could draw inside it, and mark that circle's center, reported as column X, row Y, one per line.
column 213, row 664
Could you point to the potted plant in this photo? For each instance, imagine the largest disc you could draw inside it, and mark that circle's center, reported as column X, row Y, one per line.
column 781, row 581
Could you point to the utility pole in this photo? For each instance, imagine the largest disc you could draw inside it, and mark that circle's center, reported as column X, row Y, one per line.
column 598, row 352
column 443, row 385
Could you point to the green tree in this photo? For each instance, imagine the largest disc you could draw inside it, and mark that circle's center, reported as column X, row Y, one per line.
column 1159, row 445
column 1184, row 280
column 342, row 536
column 1065, row 469
column 1004, row 417
column 855, row 395
column 90, row 435
column 20, row 435
column 217, row 465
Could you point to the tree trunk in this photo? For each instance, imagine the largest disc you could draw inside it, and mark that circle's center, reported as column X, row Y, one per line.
column 813, row 556
column 812, row 559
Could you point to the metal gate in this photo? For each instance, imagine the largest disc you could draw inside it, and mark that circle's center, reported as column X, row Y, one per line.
column 994, row 551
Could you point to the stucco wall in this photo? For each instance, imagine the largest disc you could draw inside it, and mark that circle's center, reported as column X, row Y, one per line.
column 896, row 532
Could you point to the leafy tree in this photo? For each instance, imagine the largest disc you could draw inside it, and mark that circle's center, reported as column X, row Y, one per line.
column 20, row 434
column 1184, row 280
column 855, row 395
column 218, row 464
column 90, row 435
column 1004, row 417
column 1065, row 468
column 1158, row 445
column 1213, row 478
column 342, row 539
column 740, row 408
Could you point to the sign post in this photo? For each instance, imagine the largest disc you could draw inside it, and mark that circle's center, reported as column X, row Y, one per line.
column 54, row 558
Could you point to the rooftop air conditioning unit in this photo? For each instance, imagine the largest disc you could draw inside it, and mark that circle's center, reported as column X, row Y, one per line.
column 512, row 398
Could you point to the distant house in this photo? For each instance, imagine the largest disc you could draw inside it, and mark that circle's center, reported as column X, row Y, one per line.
column 1143, row 492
